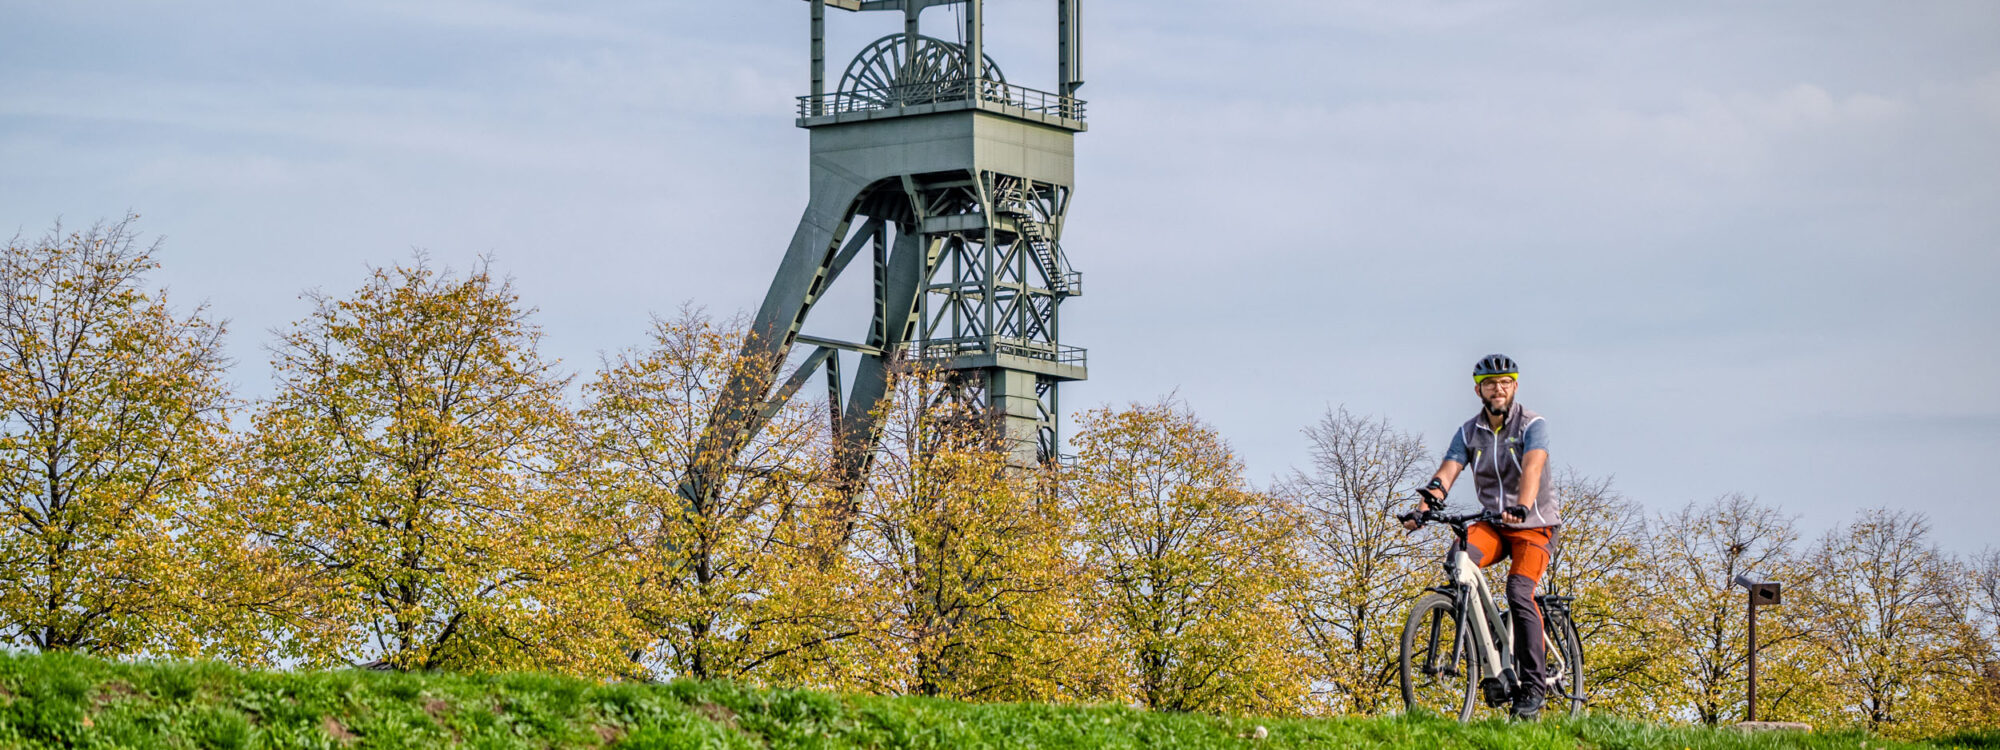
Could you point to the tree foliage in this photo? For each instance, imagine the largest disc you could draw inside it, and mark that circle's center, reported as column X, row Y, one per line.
column 1892, row 643
column 970, row 590
column 1364, row 570
column 1983, row 571
column 1695, row 554
column 1601, row 559
column 722, row 583
column 423, row 491
column 113, row 434
column 1193, row 566
column 413, row 465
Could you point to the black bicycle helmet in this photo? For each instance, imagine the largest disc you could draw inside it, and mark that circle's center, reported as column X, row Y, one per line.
column 1494, row 365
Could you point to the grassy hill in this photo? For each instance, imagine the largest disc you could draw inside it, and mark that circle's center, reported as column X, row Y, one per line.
column 71, row 701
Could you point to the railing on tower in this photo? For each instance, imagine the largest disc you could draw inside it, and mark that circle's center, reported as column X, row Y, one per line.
column 938, row 92
column 942, row 349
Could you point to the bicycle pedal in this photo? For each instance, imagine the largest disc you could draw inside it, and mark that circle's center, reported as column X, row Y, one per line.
column 1496, row 693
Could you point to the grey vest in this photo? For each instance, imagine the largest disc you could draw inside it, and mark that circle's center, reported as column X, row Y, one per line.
column 1496, row 467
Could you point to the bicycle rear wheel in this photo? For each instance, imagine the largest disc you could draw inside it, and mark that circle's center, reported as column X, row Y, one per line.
column 1569, row 677
column 1437, row 668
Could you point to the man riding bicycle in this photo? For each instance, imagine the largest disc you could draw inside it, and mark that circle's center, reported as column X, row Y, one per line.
column 1507, row 449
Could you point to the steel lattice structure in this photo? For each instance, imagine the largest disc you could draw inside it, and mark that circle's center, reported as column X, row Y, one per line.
column 953, row 185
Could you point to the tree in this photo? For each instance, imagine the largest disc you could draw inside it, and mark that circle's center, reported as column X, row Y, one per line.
column 113, row 434
column 413, row 462
column 726, row 582
column 1984, row 572
column 1364, row 569
column 1193, row 566
column 1694, row 555
column 970, row 592
column 1600, row 560
column 1890, row 629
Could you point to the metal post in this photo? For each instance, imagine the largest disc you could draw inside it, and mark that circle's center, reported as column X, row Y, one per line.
column 1750, row 714
column 1069, row 58
column 1762, row 593
column 911, row 9
column 989, row 289
column 975, row 46
column 818, row 57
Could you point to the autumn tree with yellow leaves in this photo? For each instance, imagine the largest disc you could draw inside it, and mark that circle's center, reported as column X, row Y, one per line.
column 1364, row 570
column 113, row 434
column 423, row 492
column 1193, row 568
column 725, row 583
column 1893, row 640
column 1983, row 573
column 1693, row 555
column 416, row 468
column 970, row 591
column 1601, row 560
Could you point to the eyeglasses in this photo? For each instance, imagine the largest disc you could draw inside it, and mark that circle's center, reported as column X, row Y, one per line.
column 1502, row 382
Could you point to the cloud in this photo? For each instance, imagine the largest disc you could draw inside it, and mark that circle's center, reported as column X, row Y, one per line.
column 1934, row 427
column 1735, row 133
column 492, row 16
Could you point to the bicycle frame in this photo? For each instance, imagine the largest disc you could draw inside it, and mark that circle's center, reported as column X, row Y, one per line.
column 1492, row 634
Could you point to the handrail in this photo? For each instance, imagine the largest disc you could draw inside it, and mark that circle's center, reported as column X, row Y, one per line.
column 935, row 92
column 948, row 348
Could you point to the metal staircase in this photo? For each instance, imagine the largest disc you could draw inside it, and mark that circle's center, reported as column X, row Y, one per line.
column 1048, row 255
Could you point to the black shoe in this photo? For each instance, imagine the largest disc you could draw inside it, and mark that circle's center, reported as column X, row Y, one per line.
column 1528, row 704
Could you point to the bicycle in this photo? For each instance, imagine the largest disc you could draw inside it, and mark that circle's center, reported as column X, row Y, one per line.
column 1457, row 645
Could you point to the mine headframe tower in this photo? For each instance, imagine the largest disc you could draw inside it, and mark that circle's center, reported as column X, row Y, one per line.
column 952, row 184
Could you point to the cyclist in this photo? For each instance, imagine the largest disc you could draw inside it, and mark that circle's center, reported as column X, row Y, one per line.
column 1507, row 449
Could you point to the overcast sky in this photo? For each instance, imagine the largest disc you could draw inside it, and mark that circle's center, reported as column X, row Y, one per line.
column 1735, row 246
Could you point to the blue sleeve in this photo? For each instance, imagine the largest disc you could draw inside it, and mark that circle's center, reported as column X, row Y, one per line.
column 1457, row 450
column 1537, row 437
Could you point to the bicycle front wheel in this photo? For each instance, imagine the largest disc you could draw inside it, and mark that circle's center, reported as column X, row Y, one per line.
column 1437, row 667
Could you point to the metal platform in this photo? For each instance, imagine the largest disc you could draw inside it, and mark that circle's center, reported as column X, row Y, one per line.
column 944, row 96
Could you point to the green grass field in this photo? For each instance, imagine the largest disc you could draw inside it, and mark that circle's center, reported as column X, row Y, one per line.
column 70, row 701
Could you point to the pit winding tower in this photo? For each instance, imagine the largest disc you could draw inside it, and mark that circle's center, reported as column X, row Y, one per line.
column 951, row 184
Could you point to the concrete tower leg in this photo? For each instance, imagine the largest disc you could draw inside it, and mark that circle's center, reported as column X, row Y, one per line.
column 1013, row 398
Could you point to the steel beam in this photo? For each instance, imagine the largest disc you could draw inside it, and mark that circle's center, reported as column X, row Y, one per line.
column 860, row 5
column 818, row 55
column 835, row 344
column 975, row 44
column 902, row 276
column 1069, row 46
column 912, row 9
column 798, row 284
column 794, row 383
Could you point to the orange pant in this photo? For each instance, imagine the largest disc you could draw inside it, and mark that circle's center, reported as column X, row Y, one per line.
column 1531, row 549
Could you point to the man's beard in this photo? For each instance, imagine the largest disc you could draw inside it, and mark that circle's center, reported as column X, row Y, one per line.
column 1499, row 409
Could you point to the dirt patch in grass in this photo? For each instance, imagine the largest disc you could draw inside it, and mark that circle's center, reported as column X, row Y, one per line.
column 338, row 731
column 717, row 713
column 440, row 713
column 608, row 734
column 115, row 690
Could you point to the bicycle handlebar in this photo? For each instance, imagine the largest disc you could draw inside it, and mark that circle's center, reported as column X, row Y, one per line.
column 1433, row 515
